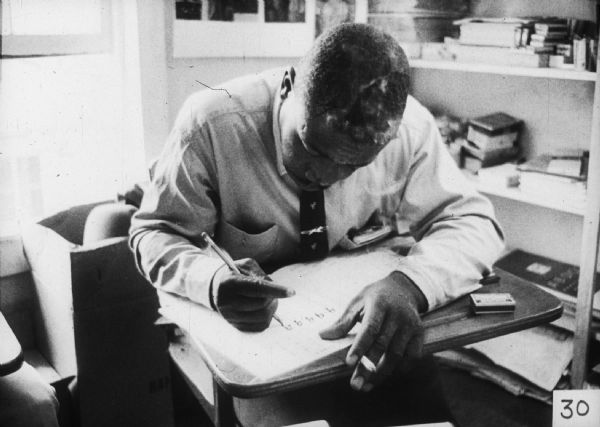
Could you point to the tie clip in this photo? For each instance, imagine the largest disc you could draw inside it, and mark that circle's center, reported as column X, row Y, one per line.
column 319, row 229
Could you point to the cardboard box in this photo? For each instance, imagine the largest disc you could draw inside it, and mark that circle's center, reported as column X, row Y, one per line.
column 96, row 321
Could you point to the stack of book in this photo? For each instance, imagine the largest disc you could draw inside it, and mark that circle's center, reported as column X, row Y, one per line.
column 548, row 36
column 495, row 41
column 491, row 139
column 559, row 37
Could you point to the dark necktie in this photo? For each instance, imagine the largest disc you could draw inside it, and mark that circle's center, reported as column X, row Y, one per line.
column 313, row 228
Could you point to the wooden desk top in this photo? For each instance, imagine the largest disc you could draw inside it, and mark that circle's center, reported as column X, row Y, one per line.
column 449, row 327
column 11, row 354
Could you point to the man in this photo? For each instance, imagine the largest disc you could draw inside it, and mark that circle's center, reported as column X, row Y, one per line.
column 255, row 162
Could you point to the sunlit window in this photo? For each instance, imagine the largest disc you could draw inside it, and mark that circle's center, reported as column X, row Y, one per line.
column 54, row 27
column 51, row 17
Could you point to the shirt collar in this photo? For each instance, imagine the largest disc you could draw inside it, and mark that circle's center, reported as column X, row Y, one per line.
column 277, row 102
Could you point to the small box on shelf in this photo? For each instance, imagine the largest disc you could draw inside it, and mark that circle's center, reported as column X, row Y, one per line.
column 492, row 139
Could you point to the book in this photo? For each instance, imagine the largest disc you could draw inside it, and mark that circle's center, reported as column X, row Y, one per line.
column 525, row 34
column 547, row 43
column 544, row 28
column 496, row 123
column 490, row 34
column 568, row 166
column 521, row 353
column 323, row 290
column 490, row 157
column 558, row 278
column 485, row 141
column 539, row 49
column 502, row 56
column 480, row 366
column 502, row 32
column 474, row 164
column 554, row 36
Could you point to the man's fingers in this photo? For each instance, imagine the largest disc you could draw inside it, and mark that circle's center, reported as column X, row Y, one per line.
column 250, row 267
column 258, row 287
column 396, row 351
column 367, row 368
column 369, row 331
column 342, row 325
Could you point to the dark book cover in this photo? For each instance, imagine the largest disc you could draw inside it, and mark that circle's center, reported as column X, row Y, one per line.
column 556, row 275
column 496, row 123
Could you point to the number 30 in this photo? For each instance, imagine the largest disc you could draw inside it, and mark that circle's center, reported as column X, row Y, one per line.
column 582, row 408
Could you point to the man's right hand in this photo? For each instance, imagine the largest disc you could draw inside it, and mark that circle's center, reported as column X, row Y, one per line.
column 248, row 301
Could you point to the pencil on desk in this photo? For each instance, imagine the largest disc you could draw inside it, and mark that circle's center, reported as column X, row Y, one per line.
column 231, row 264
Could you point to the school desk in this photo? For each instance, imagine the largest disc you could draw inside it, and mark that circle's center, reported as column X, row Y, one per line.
column 449, row 327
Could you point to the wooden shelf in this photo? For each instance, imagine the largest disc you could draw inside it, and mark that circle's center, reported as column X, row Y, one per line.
column 562, row 201
column 547, row 73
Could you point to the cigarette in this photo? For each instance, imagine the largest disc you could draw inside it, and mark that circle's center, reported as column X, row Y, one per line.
column 369, row 366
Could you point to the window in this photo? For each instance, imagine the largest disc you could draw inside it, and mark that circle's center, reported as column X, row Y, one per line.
column 71, row 129
column 55, row 27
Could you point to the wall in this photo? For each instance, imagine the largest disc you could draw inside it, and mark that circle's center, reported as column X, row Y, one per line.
column 557, row 113
column 167, row 82
column 581, row 9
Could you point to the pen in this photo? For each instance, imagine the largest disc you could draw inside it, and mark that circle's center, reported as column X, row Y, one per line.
column 231, row 264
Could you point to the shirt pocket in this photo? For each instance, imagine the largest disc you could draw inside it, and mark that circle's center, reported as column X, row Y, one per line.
column 241, row 244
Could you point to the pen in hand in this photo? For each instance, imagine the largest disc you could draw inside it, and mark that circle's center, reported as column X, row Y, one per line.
column 231, row 265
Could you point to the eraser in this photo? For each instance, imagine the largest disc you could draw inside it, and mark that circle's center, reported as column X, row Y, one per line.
column 492, row 303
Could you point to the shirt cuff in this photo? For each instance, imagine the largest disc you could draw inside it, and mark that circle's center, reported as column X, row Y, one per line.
column 436, row 294
column 197, row 289
column 212, row 293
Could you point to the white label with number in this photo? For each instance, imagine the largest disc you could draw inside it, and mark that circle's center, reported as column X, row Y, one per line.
column 576, row 408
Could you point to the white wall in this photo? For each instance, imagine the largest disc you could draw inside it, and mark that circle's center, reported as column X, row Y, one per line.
column 581, row 9
column 557, row 113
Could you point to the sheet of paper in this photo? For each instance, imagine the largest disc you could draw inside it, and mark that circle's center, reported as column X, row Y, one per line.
column 323, row 289
column 539, row 355
column 569, row 167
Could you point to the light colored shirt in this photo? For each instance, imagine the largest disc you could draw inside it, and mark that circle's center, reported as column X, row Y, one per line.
column 221, row 171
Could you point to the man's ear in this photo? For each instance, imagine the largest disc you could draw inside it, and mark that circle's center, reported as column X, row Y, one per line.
column 287, row 84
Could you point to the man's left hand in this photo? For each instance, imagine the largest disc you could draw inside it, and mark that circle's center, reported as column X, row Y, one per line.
column 390, row 328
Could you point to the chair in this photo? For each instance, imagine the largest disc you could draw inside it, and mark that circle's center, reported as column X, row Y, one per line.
column 95, row 321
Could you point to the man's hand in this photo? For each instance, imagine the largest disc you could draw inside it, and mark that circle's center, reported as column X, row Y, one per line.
column 247, row 301
column 390, row 329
